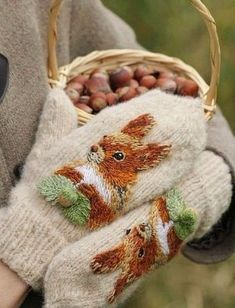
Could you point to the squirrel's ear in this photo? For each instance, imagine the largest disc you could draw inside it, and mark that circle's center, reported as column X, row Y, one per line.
column 139, row 127
column 151, row 154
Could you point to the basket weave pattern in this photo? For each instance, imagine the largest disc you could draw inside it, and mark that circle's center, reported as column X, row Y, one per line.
column 111, row 59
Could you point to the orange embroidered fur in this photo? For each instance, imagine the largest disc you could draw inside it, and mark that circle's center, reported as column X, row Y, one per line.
column 144, row 247
column 112, row 165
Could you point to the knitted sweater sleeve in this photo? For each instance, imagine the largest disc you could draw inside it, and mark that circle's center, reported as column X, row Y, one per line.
column 218, row 244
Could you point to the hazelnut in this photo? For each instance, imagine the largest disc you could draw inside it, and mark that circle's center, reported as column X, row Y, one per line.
column 84, row 107
column 80, row 79
column 133, row 83
column 84, row 99
column 166, row 85
column 126, row 93
column 97, row 84
column 98, row 101
column 141, row 71
column 72, row 94
column 148, row 81
column 111, row 98
column 186, row 87
column 76, row 86
column 120, row 77
column 99, row 72
column 167, row 75
column 141, row 90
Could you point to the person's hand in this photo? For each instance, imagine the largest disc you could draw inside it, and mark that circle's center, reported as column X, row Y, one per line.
column 65, row 192
column 106, row 266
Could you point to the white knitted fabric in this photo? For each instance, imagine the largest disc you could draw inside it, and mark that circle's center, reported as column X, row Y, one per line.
column 33, row 231
column 69, row 281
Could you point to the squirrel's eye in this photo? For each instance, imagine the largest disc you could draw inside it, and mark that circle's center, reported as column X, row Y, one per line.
column 128, row 231
column 141, row 252
column 119, row 156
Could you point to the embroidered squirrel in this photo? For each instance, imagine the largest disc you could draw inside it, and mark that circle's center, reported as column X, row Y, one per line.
column 108, row 173
column 147, row 245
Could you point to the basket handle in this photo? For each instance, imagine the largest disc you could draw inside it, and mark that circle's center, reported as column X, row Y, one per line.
column 215, row 56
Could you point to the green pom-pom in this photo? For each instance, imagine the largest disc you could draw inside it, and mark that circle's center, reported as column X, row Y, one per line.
column 184, row 218
column 60, row 190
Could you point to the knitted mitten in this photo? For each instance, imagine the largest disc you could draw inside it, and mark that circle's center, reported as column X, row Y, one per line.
column 97, row 269
column 77, row 181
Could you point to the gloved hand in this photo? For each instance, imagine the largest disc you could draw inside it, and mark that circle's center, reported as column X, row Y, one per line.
column 49, row 209
column 100, row 268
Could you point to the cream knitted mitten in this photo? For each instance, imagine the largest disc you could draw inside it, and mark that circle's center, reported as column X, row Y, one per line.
column 98, row 269
column 80, row 180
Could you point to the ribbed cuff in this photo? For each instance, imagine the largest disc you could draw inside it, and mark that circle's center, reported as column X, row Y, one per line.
column 28, row 243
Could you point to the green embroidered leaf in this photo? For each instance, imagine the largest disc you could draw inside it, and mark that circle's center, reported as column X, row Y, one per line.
column 78, row 213
column 52, row 187
column 184, row 218
column 60, row 190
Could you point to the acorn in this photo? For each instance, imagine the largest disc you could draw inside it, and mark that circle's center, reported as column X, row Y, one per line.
column 76, row 86
column 141, row 71
column 166, row 85
column 80, row 79
column 98, row 101
column 141, row 90
column 120, row 77
column 72, row 94
column 84, row 107
column 126, row 93
column 97, row 84
column 148, row 81
column 186, row 87
column 111, row 98
column 84, row 99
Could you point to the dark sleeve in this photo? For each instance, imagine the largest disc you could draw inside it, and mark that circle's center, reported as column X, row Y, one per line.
column 219, row 243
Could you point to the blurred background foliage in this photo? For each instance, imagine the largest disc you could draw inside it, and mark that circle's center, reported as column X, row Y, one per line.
column 174, row 28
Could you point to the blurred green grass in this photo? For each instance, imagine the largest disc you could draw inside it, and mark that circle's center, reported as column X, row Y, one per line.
column 173, row 28
column 176, row 29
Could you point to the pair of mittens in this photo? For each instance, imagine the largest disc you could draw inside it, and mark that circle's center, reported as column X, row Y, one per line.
column 100, row 178
column 107, row 265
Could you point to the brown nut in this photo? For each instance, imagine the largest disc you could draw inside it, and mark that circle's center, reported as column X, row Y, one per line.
column 97, row 84
column 80, row 79
column 111, row 98
column 141, row 71
column 186, row 87
column 98, row 101
column 167, row 75
column 84, row 99
column 133, row 83
column 84, row 107
column 99, row 72
column 120, row 77
column 76, row 86
column 72, row 94
column 148, row 81
column 141, row 90
column 166, row 85
column 126, row 93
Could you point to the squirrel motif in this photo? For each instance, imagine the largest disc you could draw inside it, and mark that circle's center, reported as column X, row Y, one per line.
column 111, row 168
column 144, row 247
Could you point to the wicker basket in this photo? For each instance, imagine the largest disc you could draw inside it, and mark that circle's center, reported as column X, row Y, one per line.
column 113, row 58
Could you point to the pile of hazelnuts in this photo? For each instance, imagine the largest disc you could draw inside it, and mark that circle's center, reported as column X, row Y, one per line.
column 101, row 88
